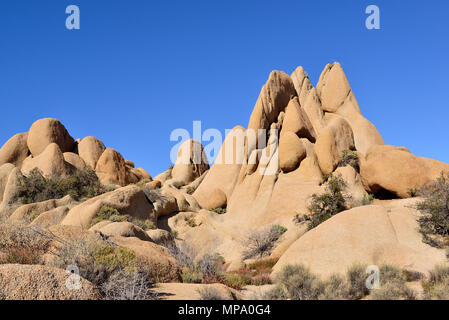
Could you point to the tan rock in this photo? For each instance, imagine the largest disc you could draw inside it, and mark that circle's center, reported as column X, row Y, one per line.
column 75, row 160
column 191, row 291
column 90, row 150
column 164, row 176
column 190, row 164
column 129, row 200
column 396, row 171
column 354, row 187
column 25, row 211
column 162, row 266
column 130, row 164
column 291, row 152
column 111, row 169
column 5, row 171
column 49, row 162
column 12, row 193
column 144, row 174
column 15, row 150
column 217, row 199
column 297, row 121
column 160, row 236
column 45, row 132
column 224, row 172
column 52, row 217
column 153, row 185
column 35, row 282
column 124, row 229
column 337, row 97
column 369, row 235
column 326, row 151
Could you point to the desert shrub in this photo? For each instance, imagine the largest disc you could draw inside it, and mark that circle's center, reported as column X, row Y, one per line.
column 123, row 285
column 144, row 224
column 437, row 286
column 260, row 243
column 185, row 256
column 328, row 204
column 142, row 183
column 296, row 282
column 80, row 185
column 367, row 199
column 392, row 285
column 356, row 277
column 210, row 267
column 219, row 210
column 435, row 210
column 236, row 280
column 210, row 293
column 350, row 158
column 21, row 244
column 335, row 288
column 191, row 222
column 96, row 259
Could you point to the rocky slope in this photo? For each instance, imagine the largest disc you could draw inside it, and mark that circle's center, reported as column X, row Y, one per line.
column 273, row 183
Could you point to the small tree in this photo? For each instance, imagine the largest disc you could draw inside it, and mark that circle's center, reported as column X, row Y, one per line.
column 328, row 204
column 435, row 209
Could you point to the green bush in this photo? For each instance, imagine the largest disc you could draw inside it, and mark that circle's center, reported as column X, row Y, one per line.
column 350, row 158
column 434, row 222
column 356, row 277
column 80, row 185
column 328, row 204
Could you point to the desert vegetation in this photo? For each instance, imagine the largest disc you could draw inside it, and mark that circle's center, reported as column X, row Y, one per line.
column 434, row 222
column 297, row 282
column 82, row 184
column 113, row 215
column 260, row 243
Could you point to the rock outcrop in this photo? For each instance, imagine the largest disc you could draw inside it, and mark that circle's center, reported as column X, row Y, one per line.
column 15, row 150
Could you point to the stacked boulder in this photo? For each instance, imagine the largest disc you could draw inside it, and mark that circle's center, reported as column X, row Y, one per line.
column 49, row 147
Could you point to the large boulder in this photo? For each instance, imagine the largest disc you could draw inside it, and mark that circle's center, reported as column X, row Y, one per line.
column 161, row 265
column 123, row 229
column 111, row 169
column 47, row 131
column 50, row 162
column 297, row 121
column 337, row 97
column 371, row 235
column 129, row 200
column 190, row 164
column 75, row 160
column 35, row 282
column 291, row 152
column 5, row 171
column 51, row 217
column 335, row 138
column 90, row 150
column 219, row 182
column 11, row 195
column 34, row 209
column 397, row 171
column 15, row 150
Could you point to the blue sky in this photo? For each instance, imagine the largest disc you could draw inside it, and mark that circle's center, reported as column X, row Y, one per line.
column 136, row 70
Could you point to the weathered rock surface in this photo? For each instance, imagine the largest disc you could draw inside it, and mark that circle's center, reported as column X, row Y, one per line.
column 371, row 235
column 397, row 171
column 15, row 150
column 162, row 266
column 35, row 282
column 50, row 162
column 123, row 229
column 47, row 131
column 90, row 150
column 111, row 168
column 129, row 200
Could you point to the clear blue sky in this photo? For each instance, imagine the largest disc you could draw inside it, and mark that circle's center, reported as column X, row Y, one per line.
column 139, row 69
